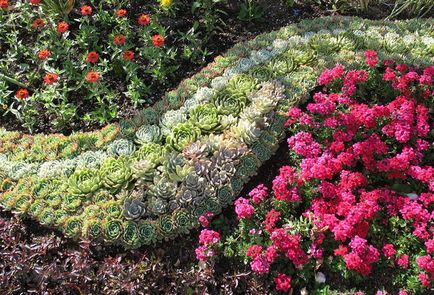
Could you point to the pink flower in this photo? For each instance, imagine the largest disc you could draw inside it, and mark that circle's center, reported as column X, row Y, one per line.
column 243, row 208
column 283, row 282
column 258, row 193
column 260, row 265
column 208, row 237
column 203, row 253
column 388, row 250
column 254, row 251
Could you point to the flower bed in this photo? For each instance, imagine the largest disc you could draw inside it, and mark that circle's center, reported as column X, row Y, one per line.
column 151, row 177
column 358, row 197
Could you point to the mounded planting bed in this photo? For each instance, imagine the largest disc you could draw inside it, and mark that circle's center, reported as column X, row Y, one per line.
column 151, row 177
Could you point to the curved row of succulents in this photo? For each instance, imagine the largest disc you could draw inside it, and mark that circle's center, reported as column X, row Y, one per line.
column 151, row 177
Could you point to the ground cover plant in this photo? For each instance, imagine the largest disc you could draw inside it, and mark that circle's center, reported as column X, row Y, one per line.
column 356, row 197
column 159, row 174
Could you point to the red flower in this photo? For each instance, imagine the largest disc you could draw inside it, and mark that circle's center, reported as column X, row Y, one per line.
column 35, row 2
column 158, row 40
column 86, row 10
column 283, row 282
column 92, row 57
column 50, row 78
column 37, row 23
column 144, row 19
column 4, row 4
column 44, row 53
column 92, row 77
column 121, row 12
column 128, row 55
column 22, row 93
column 62, row 27
column 119, row 39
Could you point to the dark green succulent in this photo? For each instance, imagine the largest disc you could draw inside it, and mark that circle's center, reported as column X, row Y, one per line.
column 166, row 226
column 93, row 228
column 147, row 232
column 228, row 103
column 113, row 229
column 73, row 226
column 131, row 236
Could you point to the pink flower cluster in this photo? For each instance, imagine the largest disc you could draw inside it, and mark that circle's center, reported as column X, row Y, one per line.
column 207, row 239
column 243, row 208
column 362, row 256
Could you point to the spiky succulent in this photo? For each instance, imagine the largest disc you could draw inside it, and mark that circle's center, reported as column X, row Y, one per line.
column 205, row 117
column 84, row 182
column 131, row 236
column 92, row 228
column 182, row 135
column 148, row 134
column 115, row 173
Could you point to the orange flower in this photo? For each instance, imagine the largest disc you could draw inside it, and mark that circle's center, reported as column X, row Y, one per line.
column 37, row 23
column 62, row 27
column 92, row 57
column 50, row 78
column 121, row 12
column 119, row 39
column 44, row 53
column 22, row 93
column 144, row 19
column 35, row 2
column 92, row 77
column 86, row 10
column 128, row 55
column 158, row 40
column 4, row 4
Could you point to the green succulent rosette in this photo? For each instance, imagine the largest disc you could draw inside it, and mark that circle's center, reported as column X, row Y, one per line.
column 47, row 216
column 131, row 235
column 53, row 199
column 151, row 152
column 84, row 182
column 229, row 103
column 148, row 134
column 71, row 202
column 205, row 117
column 113, row 209
column 93, row 228
column 242, row 84
column 36, row 208
column 113, row 230
column 147, row 232
column 121, row 147
column 183, row 220
column 60, row 217
column 22, row 203
column 101, row 197
column 182, row 135
column 73, row 226
column 115, row 173
column 166, row 226
column 225, row 195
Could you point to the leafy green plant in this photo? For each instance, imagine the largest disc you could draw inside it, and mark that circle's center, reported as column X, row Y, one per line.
column 417, row 8
column 58, row 8
column 210, row 15
column 250, row 10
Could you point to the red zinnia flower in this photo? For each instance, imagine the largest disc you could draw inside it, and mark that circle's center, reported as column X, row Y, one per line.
column 92, row 77
column 38, row 23
column 62, row 27
column 121, row 12
column 92, row 57
column 86, row 10
column 144, row 19
column 119, row 39
column 4, row 4
column 128, row 55
column 35, row 2
column 158, row 40
column 50, row 78
column 44, row 53
column 22, row 93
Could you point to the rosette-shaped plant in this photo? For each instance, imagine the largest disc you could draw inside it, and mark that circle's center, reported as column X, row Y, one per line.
column 134, row 209
column 115, row 173
column 113, row 229
column 228, row 103
column 131, row 235
column 166, row 226
column 151, row 152
column 247, row 131
column 102, row 196
column 121, row 147
column 47, row 216
column 92, row 228
column 91, row 159
column 206, row 118
column 157, row 206
column 225, row 195
column 247, row 166
column 36, row 207
column 172, row 118
column 113, row 209
column 176, row 168
column 163, row 188
column 147, row 232
column 60, row 217
column 53, row 199
column 21, row 203
column 84, row 182
column 182, row 135
column 148, row 133
column 242, row 84
column 144, row 171
column 183, row 220
column 73, row 226
column 150, row 116
column 71, row 202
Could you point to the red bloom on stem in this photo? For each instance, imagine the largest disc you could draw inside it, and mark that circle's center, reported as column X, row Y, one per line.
column 128, row 55
column 121, row 12
column 62, row 27
column 283, row 282
column 158, row 40
column 22, row 93
column 86, row 10
column 119, row 39
column 92, row 57
column 35, row 2
column 50, row 78
column 44, row 53
column 144, row 19
column 4, row 4
column 92, row 77
column 38, row 23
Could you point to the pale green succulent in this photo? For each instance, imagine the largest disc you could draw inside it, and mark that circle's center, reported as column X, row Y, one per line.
column 172, row 118
column 151, row 152
column 91, row 159
column 144, row 171
column 228, row 103
column 116, row 173
column 242, row 84
column 182, row 135
column 121, row 147
column 163, row 188
column 148, row 134
column 205, row 117
column 84, row 182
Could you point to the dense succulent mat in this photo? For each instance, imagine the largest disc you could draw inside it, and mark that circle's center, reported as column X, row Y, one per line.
column 149, row 178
